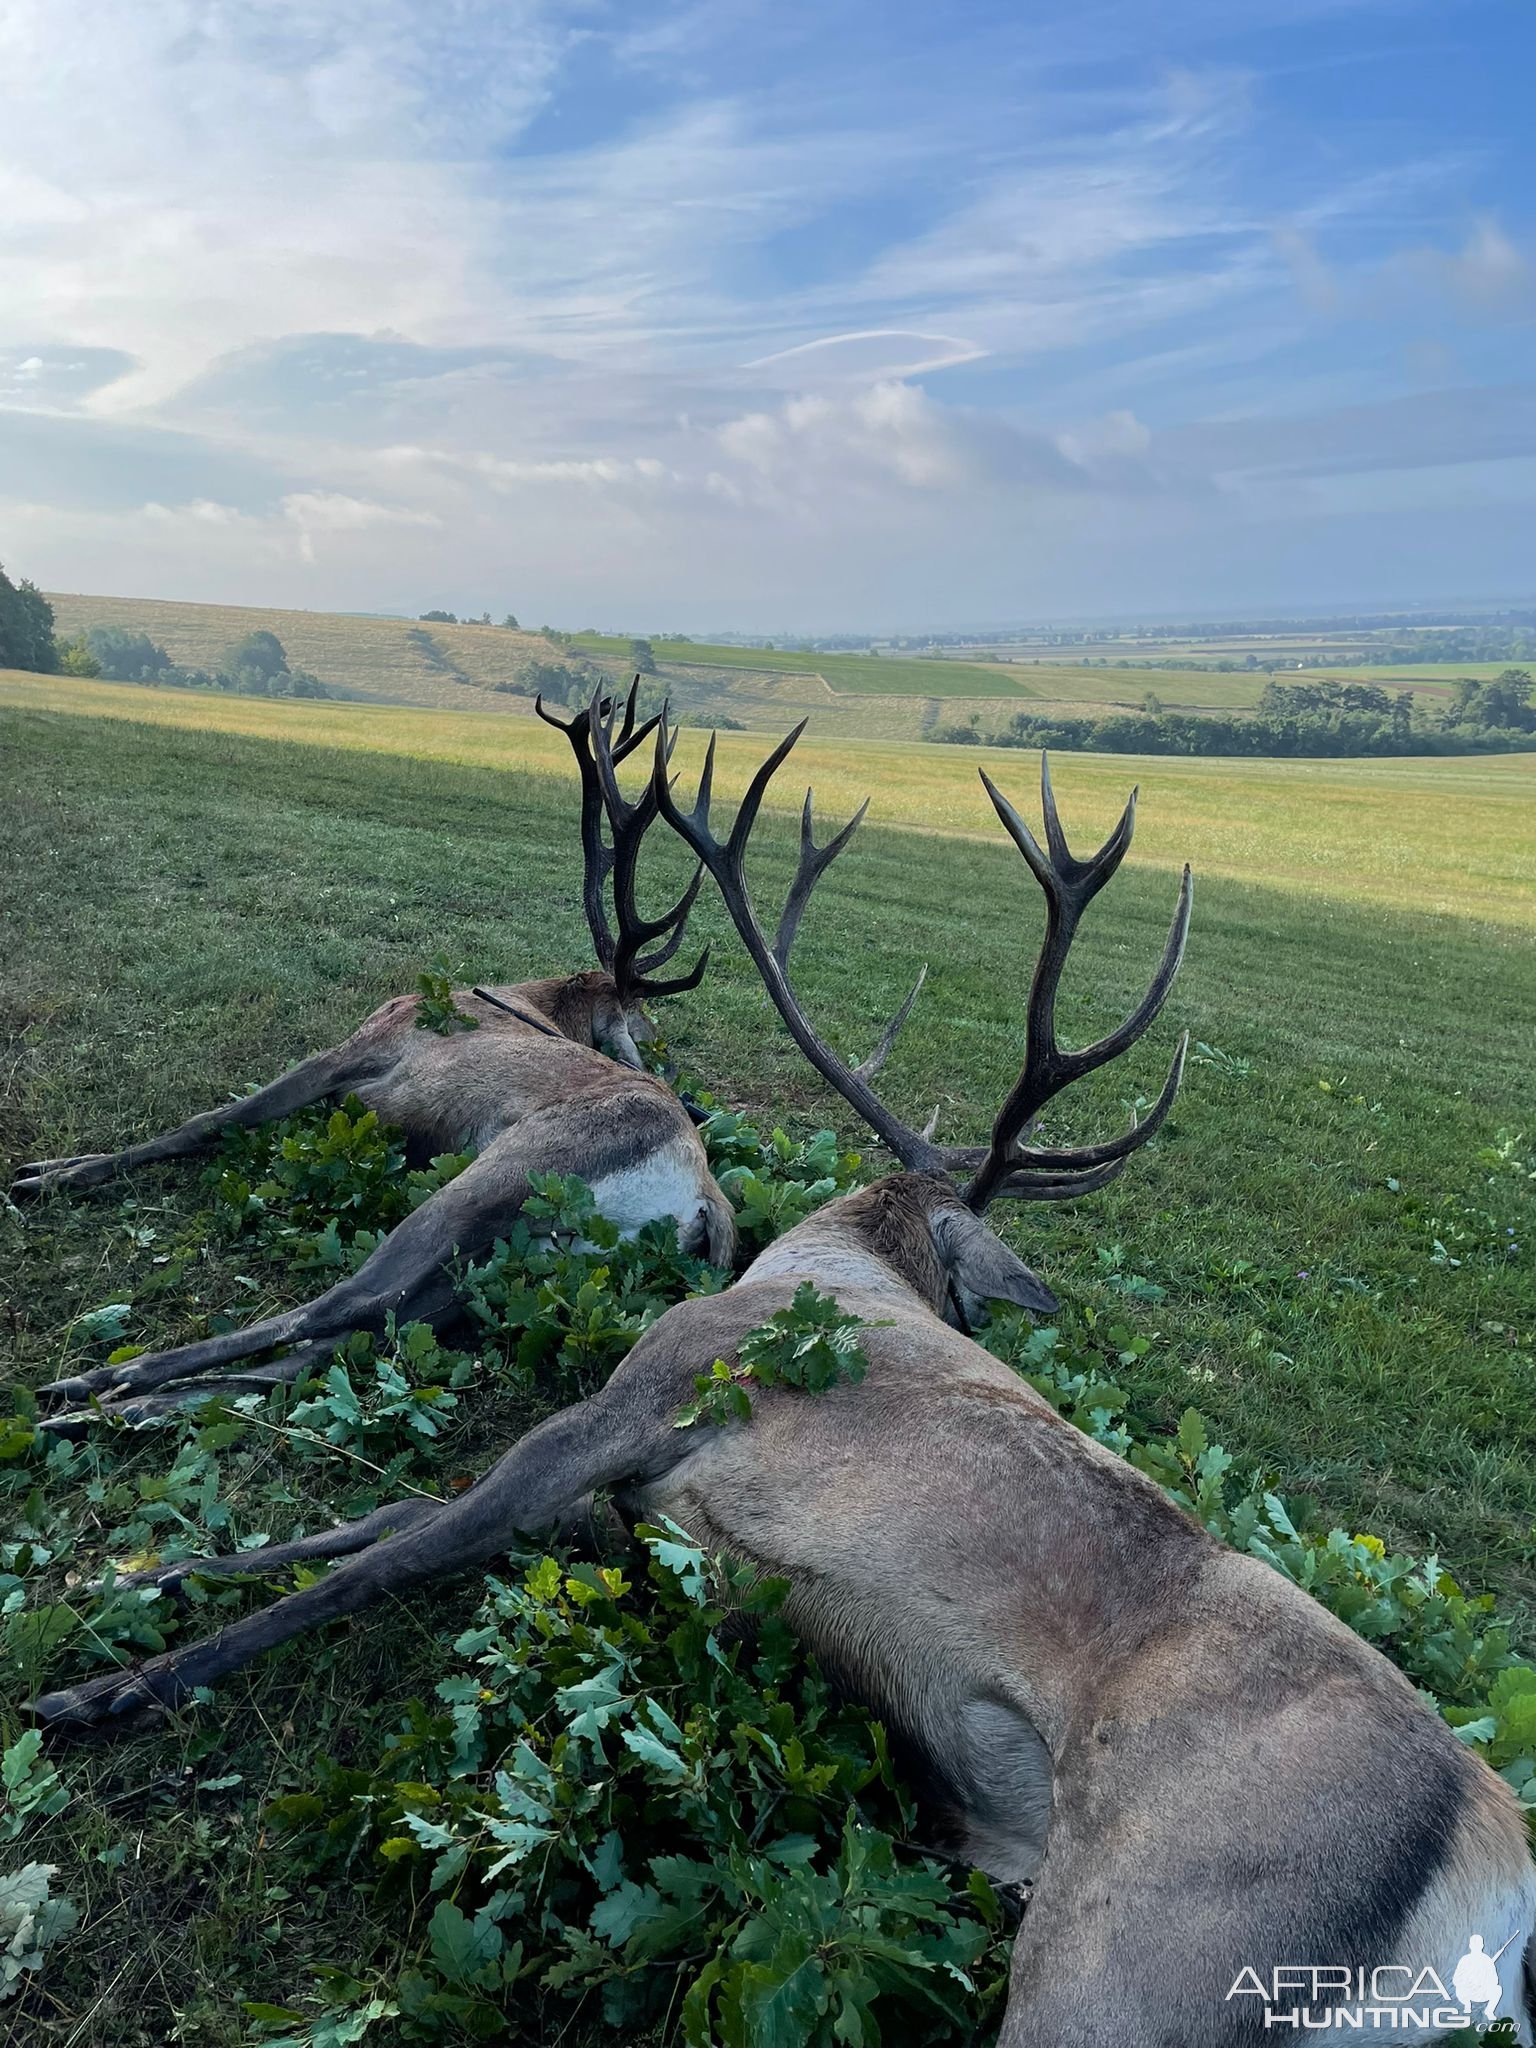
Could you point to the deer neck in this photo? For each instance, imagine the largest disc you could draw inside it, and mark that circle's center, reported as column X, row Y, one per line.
column 835, row 1257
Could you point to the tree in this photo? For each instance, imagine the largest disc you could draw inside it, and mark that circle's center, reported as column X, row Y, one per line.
column 441, row 618
column 126, row 657
column 1152, row 704
column 1503, row 702
column 75, row 657
column 258, row 658
column 26, row 627
column 510, row 625
column 642, row 657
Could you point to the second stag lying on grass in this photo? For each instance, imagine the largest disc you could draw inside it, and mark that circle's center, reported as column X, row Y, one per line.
column 541, row 1077
column 1206, row 1777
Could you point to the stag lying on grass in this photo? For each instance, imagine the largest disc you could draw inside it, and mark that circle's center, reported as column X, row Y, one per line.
column 550, row 1080
column 1200, row 1769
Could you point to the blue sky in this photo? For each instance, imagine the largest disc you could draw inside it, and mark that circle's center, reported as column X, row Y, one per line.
column 770, row 315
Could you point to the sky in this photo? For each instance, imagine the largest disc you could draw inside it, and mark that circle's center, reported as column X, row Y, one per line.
column 765, row 315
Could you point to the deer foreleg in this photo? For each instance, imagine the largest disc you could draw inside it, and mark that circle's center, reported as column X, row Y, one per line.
column 345, row 1540
column 135, row 1409
column 325, row 1073
column 540, row 1481
column 408, row 1276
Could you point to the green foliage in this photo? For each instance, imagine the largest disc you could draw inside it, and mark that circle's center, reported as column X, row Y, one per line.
column 74, row 657
column 31, row 1787
column 258, row 657
column 31, row 1920
column 436, row 1010
column 773, row 1183
column 124, row 656
column 645, row 1794
column 1315, row 719
column 811, row 1345
column 320, row 1187
column 386, row 1401
column 254, row 666
column 560, row 682
column 26, row 627
column 562, row 1298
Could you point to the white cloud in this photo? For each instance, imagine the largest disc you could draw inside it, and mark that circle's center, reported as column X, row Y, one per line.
column 317, row 299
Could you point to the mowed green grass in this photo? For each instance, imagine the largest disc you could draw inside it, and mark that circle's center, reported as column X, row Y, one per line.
column 202, row 906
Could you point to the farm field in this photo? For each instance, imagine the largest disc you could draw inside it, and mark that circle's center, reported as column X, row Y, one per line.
column 846, row 674
column 1314, row 1254
column 855, row 697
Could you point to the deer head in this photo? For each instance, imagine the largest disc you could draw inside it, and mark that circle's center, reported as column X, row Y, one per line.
column 961, row 1180
column 627, row 978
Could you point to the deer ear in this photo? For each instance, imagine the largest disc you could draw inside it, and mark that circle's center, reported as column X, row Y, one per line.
column 982, row 1266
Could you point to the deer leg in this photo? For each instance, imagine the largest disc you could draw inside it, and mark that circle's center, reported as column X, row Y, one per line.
column 325, row 1073
column 141, row 1408
column 541, row 1479
column 408, row 1276
column 344, row 1540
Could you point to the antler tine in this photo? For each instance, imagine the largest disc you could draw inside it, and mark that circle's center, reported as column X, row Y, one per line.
column 726, row 862
column 629, row 823
column 1008, row 1166
column 867, row 1069
column 814, row 861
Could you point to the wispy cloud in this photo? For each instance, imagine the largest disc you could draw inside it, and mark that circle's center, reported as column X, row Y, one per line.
column 633, row 299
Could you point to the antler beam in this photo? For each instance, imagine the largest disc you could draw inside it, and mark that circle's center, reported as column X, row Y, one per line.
column 1009, row 1167
column 726, row 862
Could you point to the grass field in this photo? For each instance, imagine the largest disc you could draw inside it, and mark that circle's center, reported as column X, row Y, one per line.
column 1456, row 836
column 215, row 887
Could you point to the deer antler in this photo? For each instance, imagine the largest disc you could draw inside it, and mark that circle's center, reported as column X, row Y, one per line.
column 599, row 750
column 1008, row 1167
column 726, row 862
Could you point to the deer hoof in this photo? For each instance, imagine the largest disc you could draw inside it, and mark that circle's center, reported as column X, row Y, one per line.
column 115, row 1697
column 52, row 1176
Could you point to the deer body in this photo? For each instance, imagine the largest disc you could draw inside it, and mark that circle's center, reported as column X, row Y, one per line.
column 537, row 1077
column 1200, row 1770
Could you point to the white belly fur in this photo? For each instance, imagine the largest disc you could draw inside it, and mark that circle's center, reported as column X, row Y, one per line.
column 662, row 1185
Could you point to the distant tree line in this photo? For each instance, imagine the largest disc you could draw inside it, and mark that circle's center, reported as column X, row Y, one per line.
column 1327, row 720
column 256, row 666
column 509, row 624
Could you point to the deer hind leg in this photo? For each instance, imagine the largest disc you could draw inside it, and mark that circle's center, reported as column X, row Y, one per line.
column 538, row 1482
column 324, row 1073
column 409, row 1276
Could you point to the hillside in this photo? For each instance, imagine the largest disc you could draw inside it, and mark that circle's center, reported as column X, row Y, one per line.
column 392, row 661
column 847, row 696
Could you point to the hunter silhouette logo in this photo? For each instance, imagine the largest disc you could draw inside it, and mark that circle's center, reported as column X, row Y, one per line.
column 1392, row 1997
column 1475, row 1980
